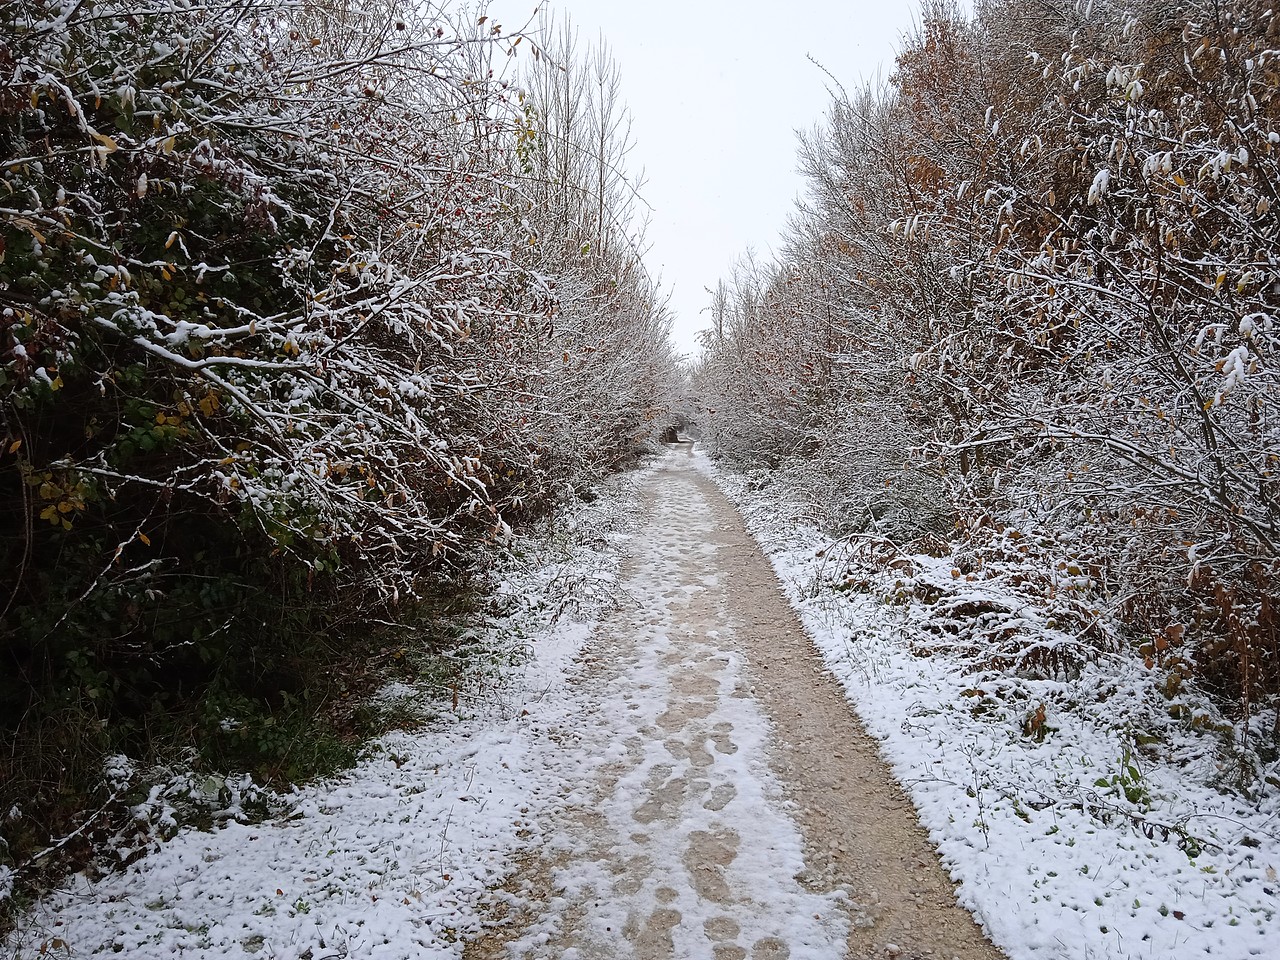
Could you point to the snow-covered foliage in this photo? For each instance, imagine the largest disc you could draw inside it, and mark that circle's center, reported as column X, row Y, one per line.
column 284, row 343
column 1027, row 316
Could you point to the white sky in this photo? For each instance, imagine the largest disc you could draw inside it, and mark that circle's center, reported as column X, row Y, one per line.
column 717, row 90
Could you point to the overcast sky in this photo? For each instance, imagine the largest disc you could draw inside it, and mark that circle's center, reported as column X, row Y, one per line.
column 717, row 90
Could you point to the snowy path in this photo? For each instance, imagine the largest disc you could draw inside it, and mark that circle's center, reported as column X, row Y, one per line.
column 728, row 806
column 687, row 781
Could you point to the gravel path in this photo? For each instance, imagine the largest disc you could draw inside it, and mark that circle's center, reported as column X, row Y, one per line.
column 734, row 809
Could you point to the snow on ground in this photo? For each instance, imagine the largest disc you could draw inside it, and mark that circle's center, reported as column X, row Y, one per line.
column 1068, row 839
column 400, row 857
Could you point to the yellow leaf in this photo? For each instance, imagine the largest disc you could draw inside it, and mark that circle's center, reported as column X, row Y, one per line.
column 57, row 383
column 13, row 447
column 49, row 513
column 30, row 228
column 144, row 538
column 106, row 141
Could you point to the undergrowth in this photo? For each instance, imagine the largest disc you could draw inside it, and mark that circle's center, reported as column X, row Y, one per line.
column 91, row 776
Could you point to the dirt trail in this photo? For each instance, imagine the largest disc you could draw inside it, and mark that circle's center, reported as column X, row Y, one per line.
column 736, row 810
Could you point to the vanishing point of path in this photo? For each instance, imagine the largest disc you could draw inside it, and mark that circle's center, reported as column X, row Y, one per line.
column 735, row 808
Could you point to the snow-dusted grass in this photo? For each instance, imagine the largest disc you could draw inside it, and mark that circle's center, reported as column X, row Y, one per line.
column 400, row 857
column 1095, row 828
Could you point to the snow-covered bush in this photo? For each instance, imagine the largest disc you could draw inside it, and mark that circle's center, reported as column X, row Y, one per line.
column 281, row 359
column 1046, row 247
